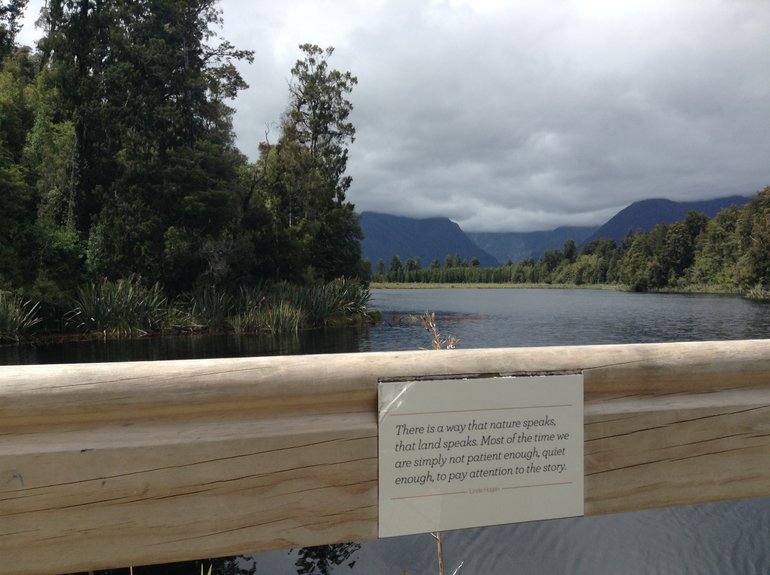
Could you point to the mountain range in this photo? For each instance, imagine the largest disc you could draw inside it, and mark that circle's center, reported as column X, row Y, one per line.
column 646, row 214
column 388, row 235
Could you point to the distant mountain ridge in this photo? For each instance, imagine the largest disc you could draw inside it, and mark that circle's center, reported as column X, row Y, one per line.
column 518, row 246
column 646, row 214
column 386, row 236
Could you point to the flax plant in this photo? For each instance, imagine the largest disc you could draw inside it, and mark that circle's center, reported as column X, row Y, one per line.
column 17, row 317
column 209, row 307
column 283, row 317
column 124, row 308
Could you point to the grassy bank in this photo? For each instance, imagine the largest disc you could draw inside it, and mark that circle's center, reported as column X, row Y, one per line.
column 127, row 308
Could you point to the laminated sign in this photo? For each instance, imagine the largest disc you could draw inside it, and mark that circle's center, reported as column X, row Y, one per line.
column 471, row 452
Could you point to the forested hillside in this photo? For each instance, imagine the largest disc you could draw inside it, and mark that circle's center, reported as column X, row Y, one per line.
column 117, row 157
column 646, row 214
column 425, row 239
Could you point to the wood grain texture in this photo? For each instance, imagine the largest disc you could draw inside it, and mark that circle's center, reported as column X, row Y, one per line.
column 106, row 465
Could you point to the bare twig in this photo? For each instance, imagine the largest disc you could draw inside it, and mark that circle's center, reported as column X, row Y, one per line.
column 438, row 342
column 439, row 551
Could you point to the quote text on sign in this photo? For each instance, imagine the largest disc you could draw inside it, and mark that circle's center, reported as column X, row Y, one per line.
column 517, row 442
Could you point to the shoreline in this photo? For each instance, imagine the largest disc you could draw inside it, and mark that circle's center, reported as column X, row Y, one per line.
column 692, row 290
column 473, row 285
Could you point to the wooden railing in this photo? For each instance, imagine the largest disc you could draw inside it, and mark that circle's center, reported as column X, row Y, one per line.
column 108, row 465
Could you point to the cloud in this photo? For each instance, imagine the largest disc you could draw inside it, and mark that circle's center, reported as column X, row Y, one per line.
column 519, row 115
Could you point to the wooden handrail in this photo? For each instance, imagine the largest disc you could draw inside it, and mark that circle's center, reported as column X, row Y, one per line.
column 108, row 465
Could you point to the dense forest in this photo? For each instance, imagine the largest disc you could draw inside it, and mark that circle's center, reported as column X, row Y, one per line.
column 729, row 253
column 119, row 169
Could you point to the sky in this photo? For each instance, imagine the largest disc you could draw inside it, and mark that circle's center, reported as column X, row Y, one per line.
column 508, row 115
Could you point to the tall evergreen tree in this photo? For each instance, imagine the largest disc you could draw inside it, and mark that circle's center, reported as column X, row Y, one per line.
column 307, row 186
column 154, row 166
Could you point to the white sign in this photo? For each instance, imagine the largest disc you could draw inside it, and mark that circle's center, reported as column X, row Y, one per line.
column 467, row 453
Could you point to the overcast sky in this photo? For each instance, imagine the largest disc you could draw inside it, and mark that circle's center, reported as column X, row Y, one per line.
column 528, row 115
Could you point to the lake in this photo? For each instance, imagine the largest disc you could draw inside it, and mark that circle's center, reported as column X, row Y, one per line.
column 722, row 538
column 719, row 539
column 478, row 317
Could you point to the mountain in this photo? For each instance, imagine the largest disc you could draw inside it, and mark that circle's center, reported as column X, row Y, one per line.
column 518, row 246
column 386, row 236
column 646, row 214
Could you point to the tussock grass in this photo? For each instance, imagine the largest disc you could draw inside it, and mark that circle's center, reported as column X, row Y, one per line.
column 758, row 293
column 17, row 317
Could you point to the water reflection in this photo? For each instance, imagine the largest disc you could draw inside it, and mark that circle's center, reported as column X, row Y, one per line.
column 347, row 340
column 714, row 539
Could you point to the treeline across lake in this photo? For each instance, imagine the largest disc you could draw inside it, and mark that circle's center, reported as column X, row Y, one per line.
column 727, row 253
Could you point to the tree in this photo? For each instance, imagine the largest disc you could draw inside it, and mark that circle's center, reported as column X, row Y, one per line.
column 551, row 260
column 396, row 270
column 18, row 236
column 11, row 13
column 677, row 253
column 717, row 251
column 753, row 267
column 570, row 251
column 307, row 185
column 143, row 85
column 635, row 268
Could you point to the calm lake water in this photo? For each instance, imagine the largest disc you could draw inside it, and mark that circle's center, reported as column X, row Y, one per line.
column 478, row 317
column 718, row 539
